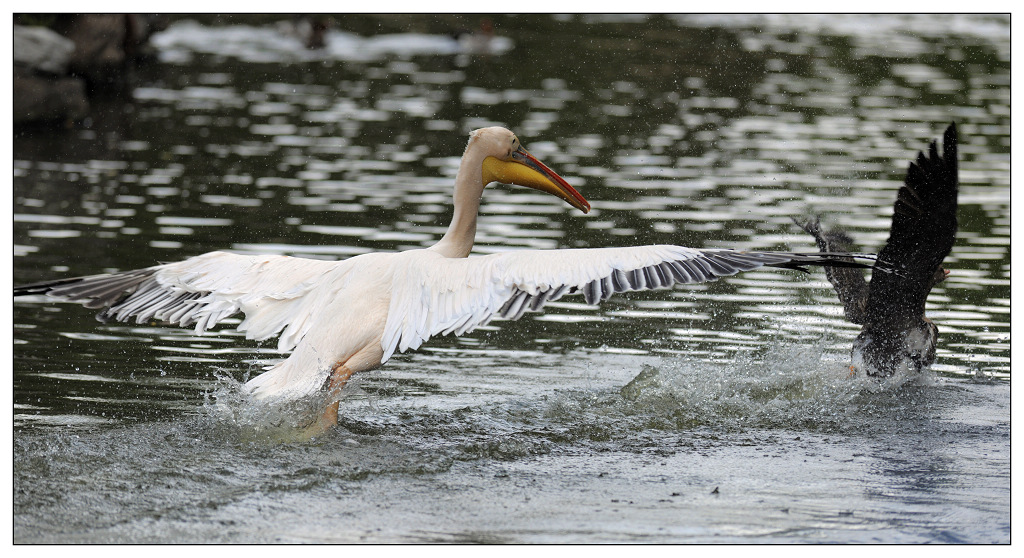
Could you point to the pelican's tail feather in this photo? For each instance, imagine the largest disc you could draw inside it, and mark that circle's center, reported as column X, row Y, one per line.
column 297, row 377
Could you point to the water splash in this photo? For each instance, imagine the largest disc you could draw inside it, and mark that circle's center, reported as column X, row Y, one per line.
column 238, row 416
column 794, row 387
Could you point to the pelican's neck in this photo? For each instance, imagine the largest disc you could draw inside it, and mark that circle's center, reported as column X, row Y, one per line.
column 457, row 241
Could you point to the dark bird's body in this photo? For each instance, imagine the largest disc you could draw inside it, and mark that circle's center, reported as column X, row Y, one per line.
column 896, row 335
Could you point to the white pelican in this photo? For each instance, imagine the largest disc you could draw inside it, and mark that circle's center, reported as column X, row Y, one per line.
column 348, row 316
column 896, row 335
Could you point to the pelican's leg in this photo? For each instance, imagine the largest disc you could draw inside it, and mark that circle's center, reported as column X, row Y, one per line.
column 329, row 419
column 339, row 377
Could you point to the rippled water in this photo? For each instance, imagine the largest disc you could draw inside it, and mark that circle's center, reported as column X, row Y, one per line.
column 716, row 412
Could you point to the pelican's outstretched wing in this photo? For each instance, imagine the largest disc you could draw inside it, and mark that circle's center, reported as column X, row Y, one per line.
column 204, row 290
column 922, row 234
column 434, row 295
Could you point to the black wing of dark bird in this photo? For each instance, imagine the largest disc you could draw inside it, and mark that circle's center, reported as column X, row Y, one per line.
column 848, row 282
column 923, row 231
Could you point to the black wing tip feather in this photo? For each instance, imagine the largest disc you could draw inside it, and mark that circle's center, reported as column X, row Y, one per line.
column 811, row 224
column 106, row 290
column 950, row 141
column 838, row 238
column 923, row 167
column 800, row 260
column 44, row 287
column 830, row 240
column 925, row 211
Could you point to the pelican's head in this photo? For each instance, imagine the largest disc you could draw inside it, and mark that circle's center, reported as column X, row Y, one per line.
column 506, row 161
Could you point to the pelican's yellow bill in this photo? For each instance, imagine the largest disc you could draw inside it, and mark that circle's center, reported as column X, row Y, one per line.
column 536, row 176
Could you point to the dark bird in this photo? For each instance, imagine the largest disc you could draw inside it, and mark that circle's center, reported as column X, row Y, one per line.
column 896, row 335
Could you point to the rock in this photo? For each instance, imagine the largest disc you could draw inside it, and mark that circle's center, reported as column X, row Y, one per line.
column 41, row 49
column 76, row 56
column 99, row 40
column 48, row 98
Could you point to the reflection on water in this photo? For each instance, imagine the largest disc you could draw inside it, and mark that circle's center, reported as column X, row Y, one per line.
column 706, row 131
